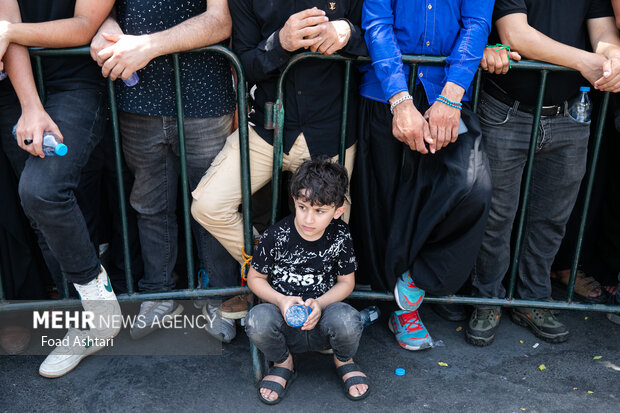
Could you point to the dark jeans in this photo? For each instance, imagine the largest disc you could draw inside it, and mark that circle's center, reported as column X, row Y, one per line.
column 559, row 166
column 151, row 148
column 339, row 328
column 47, row 186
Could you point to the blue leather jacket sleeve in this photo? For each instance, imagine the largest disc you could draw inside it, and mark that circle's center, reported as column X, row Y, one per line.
column 463, row 62
column 378, row 22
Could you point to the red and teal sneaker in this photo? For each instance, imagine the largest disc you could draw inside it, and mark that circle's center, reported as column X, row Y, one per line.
column 407, row 295
column 409, row 331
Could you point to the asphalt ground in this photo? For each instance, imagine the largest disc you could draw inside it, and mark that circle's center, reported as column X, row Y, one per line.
column 580, row 375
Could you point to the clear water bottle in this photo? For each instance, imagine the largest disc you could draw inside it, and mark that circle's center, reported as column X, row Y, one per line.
column 3, row 75
column 297, row 314
column 580, row 108
column 369, row 315
column 133, row 80
column 51, row 143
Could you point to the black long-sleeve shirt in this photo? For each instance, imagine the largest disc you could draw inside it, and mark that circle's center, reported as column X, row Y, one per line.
column 313, row 89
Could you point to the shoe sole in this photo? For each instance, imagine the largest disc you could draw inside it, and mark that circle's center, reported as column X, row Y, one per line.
column 143, row 332
column 69, row 370
column 233, row 315
column 549, row 337
column 407, row 346
column 478, row 341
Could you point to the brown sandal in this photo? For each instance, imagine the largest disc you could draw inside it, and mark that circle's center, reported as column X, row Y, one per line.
column 584, row 285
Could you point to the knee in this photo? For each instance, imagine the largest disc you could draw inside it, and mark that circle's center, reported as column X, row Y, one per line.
column 39, row 196
column 210, row 210
column 343, row 321
column 262, row 322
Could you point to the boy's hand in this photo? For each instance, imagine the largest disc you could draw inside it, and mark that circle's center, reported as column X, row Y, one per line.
column 314, row 316
column 286, row 301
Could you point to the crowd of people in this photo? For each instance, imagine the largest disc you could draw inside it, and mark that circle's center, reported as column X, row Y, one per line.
column 434, row 186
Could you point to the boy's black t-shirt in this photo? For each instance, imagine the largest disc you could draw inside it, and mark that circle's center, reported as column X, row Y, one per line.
column 563, row 21
column 297, row 267
column 59, row 73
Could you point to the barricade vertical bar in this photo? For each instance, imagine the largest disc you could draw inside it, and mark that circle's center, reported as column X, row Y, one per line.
column 600, row 126
column 278, row 138
column 189, row 251
column 65, row 285
column 345, row 111
column 477, row 84
column 527, row 183
column 120, row 184
column 40, row 86
column 2, row 297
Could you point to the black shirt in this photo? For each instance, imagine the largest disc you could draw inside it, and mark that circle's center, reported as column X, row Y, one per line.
column 297, row 267
column 62, row 73
column 313, row 90
column 561, row 20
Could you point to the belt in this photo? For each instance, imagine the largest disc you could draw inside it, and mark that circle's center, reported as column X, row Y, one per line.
column 547, row 111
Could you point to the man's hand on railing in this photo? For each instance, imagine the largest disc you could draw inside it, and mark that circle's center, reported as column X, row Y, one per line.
column 127, row 55
column 303, row 30
column 409, row 126
column 496, row 61
column 335, row 36
column 591, row 67
column 30, row 127
column 610, row 82
column 98, row 43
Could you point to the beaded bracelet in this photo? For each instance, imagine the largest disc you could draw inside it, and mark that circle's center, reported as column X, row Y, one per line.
column 500, row 47
column 399, row 101
column 451, row 103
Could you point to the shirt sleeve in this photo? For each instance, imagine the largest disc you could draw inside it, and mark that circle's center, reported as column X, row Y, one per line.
column 356, row 45
column 599, row 8
column 378, row 22
column 263, row 258
column 463, row 62
column 506, row 7
column 261, row 58
column 346, row 259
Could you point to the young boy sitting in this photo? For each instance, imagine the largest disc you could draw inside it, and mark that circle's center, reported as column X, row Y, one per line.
column 307, row 258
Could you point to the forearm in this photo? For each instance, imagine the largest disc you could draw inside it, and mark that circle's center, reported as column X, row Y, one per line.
column 262, row 289
column 75, row 31
column 17, row 65
column 604, row 37
column 205, row 29
column 337, row 293
column 453, row 92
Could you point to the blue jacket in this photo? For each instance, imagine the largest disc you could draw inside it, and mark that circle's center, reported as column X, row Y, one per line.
column 455, row 28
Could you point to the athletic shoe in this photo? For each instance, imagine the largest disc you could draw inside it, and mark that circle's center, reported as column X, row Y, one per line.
column 542, row 322
column 235, row 308
column 97, row 297
column 63, row 359
column 407, row 295
column 614, row 317
column 150, row 311
column 224, row 329
column 483, row 323
column 409, row 331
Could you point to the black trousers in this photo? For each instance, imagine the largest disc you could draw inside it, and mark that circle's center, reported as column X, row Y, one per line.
column 424, row 213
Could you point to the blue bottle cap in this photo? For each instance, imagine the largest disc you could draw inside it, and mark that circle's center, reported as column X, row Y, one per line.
column 61, row 149
column 584, row 89
column 399, row 372
column 133, row 80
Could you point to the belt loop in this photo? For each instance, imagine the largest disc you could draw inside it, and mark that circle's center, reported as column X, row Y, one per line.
column 515, row 106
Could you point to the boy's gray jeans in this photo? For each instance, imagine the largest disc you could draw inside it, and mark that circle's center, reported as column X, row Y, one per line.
column 559, row 166
column 339, row 328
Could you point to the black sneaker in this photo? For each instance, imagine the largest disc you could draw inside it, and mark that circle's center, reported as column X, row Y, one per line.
column 482, row 324
column 542, row 322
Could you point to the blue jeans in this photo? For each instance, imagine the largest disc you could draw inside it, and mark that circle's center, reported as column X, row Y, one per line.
column 151, row 148
column 340, row 328
column 47, row 186
column 559, row 166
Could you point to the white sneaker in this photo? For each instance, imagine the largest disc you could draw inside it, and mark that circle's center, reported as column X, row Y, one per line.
column 77, row 344
column 97, row 297
column 223, row 329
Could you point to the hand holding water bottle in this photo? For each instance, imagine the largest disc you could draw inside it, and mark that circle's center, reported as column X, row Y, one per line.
column 30, row 129
column 125, row 56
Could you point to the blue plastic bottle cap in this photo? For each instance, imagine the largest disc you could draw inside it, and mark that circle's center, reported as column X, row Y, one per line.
column 399, row 372
column 133, row 80
column 60, row 149
column 584, row 89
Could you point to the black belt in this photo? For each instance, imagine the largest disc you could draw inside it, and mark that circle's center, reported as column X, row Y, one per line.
column 547, row 111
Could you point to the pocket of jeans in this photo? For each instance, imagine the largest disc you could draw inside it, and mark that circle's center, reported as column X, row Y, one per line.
column 575, row 121
column 490, row 114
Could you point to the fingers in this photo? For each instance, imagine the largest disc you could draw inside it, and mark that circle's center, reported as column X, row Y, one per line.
column 504, row 62
column 515, row 56
column 308, row 13
column 111, row 37
column 484, row 64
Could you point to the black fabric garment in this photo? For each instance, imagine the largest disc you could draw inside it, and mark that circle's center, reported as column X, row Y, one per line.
column 563, row 21
column 313, row 89
column 61, row 73
column 424, row 213
column 297, row 267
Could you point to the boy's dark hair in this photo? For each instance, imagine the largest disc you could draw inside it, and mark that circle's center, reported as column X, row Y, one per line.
column 320, row 181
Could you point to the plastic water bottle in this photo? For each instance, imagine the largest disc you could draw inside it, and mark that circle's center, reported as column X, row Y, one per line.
column 133, row 80
column 3, row 75
column 51, row 144
column 297, row 314
column 580, row 108
column 369, row 315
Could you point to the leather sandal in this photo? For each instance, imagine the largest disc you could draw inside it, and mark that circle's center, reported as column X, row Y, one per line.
column 584, row 284
column 280, row 390
column 351, row 381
